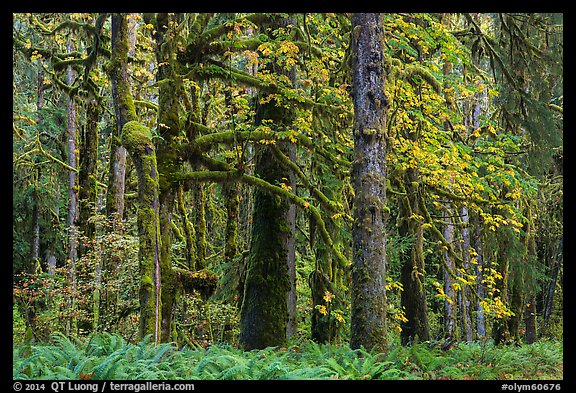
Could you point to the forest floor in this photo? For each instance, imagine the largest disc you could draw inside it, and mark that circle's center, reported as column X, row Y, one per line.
column 110, row 357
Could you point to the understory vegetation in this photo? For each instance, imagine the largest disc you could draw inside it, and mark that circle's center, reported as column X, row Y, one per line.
column 106, row 356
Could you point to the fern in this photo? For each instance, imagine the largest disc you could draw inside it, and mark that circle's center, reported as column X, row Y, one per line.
column 108, row 356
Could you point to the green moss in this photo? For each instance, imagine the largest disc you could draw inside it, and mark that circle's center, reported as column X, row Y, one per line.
column 136, row 137
column 137, row 140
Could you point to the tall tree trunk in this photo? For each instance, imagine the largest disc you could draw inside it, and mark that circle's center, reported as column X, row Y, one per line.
column 480, row 318
column 136, row 139
column 88, row 191
column 35, row 249
column 468, row 333
column 413, row 297
column 72, row 220
column 169, row 129
column 117, row 169
column 368, row 314
column 449, row 304
column 556, row 261
column 264, row 313
column 292, row 324
column 324, row 278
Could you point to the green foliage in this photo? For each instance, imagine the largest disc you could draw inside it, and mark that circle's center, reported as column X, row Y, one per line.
column 109, row 356
column 50, row 297
column 495, row 150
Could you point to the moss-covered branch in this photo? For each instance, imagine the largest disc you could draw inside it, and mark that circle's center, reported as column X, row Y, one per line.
column 237, row 175
column 211, row 138
column 327, row 203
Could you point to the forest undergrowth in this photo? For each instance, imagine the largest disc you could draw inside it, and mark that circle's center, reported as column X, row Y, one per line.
column 105, row 356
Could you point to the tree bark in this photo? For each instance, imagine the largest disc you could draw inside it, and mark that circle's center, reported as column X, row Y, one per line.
column 88, row 192
column 413, row 297
column 136, row 139
column 449, row 304
column 480, row 318
column 264, row 313
column 468, row 333
column 292, row 324
column 123, row 41
column 368, row 314
column 72, row 219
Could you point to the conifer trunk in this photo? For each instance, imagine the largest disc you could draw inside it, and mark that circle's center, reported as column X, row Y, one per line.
column 264, row 313
column 368, row 314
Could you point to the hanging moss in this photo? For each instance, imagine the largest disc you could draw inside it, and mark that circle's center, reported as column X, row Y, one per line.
column 203, row 281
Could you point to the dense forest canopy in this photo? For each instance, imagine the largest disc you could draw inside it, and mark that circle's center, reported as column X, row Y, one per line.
column 257, row 179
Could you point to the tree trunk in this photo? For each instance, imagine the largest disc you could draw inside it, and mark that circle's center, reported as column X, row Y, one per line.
column 413, row 297
column 264, row 313
column 324, row 278
column 449, row 304
column 292, row 324
column 88, row 192
column 136, row 139
column 556, row 261
column 530, row 320
column 480, row 319
column 125, row 44
column 72, row 220
column 189, row 231
column 200, row 224
column 368, row 314
column 468, row 333
column 35, row 249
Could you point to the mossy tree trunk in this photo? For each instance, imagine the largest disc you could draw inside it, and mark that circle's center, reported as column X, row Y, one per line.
column 323, row 279
column 413, row 297
column 368, row 314
column 72, row 219
column 123, row 40
column 292, row 324
column 531, row 257
column 137, row 140
column 168, row 127
column 264, row 311
column 479, row 267
column 87, row 199
column 88, row 192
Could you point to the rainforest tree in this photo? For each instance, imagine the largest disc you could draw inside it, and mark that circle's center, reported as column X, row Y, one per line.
column 258, row 178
